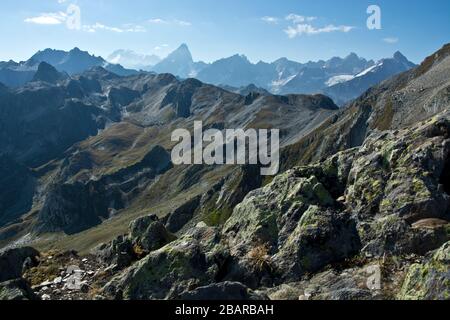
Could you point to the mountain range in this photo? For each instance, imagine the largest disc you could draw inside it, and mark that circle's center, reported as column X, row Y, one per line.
column 86, row 178
column 14, row 74
column 343, row 79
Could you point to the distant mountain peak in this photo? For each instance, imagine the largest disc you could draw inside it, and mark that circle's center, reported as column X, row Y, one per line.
column 77, row 52
column 182, row 53
column 183, row 46
column 47, row 73
column 400, row 57
column 241, row 57
column 178, row 62
column 353, row 57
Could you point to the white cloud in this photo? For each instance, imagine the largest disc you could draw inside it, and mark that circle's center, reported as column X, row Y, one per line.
column 390, row 40
column 125, row 28
column 177, row 22
column 48, row 18
column 301, row 29
column 270, row 20
column 158, row 21
column 295, row 18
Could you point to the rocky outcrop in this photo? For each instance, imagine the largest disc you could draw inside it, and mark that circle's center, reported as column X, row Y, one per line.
column 395, row 182
column 150, row 234
column 118, row 253
column 429, row 280
column 147, row 234
column 14, row 261
column 350, row 284
column 184, row 264
column 289, row 220
column 17, row 289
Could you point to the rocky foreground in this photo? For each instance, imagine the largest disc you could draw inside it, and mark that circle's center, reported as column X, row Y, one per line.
column 370, row 222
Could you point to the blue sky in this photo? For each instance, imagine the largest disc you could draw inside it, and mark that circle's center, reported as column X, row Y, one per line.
column 220, row 28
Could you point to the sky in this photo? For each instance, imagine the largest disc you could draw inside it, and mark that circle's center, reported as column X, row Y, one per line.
column 266, row 30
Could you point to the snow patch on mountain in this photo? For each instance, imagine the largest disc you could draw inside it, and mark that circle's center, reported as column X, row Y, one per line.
column 339, row 79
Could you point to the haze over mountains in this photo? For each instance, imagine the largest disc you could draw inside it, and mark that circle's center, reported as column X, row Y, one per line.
column 343, row 79
column 133, row 60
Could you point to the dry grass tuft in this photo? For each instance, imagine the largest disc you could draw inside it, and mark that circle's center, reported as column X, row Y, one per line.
column 260, row 257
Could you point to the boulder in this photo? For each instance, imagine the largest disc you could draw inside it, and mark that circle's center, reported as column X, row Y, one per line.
column 12, row 262
column 118, row 252
column 429, row 280
column 17, row 289
column 354, row 283
column 321, row 237
column 181, row 265
column 394, row 235
column 286, row 229
column 149, row 233
column 396, row 180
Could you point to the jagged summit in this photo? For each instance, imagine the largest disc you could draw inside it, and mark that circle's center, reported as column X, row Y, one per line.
column 179, row 63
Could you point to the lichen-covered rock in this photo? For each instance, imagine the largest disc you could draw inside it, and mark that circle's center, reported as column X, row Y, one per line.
column 119, row 252
column 180, row 266
column 394, row 235
column 288, row 228
column 429, row 280
column 12, row 262
column 333, row 172
column 398, row 178
column 399, row 172
column 320, row 238
column 149, row 234
column 272, row 212
column 349, row 284
column 17, row 289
